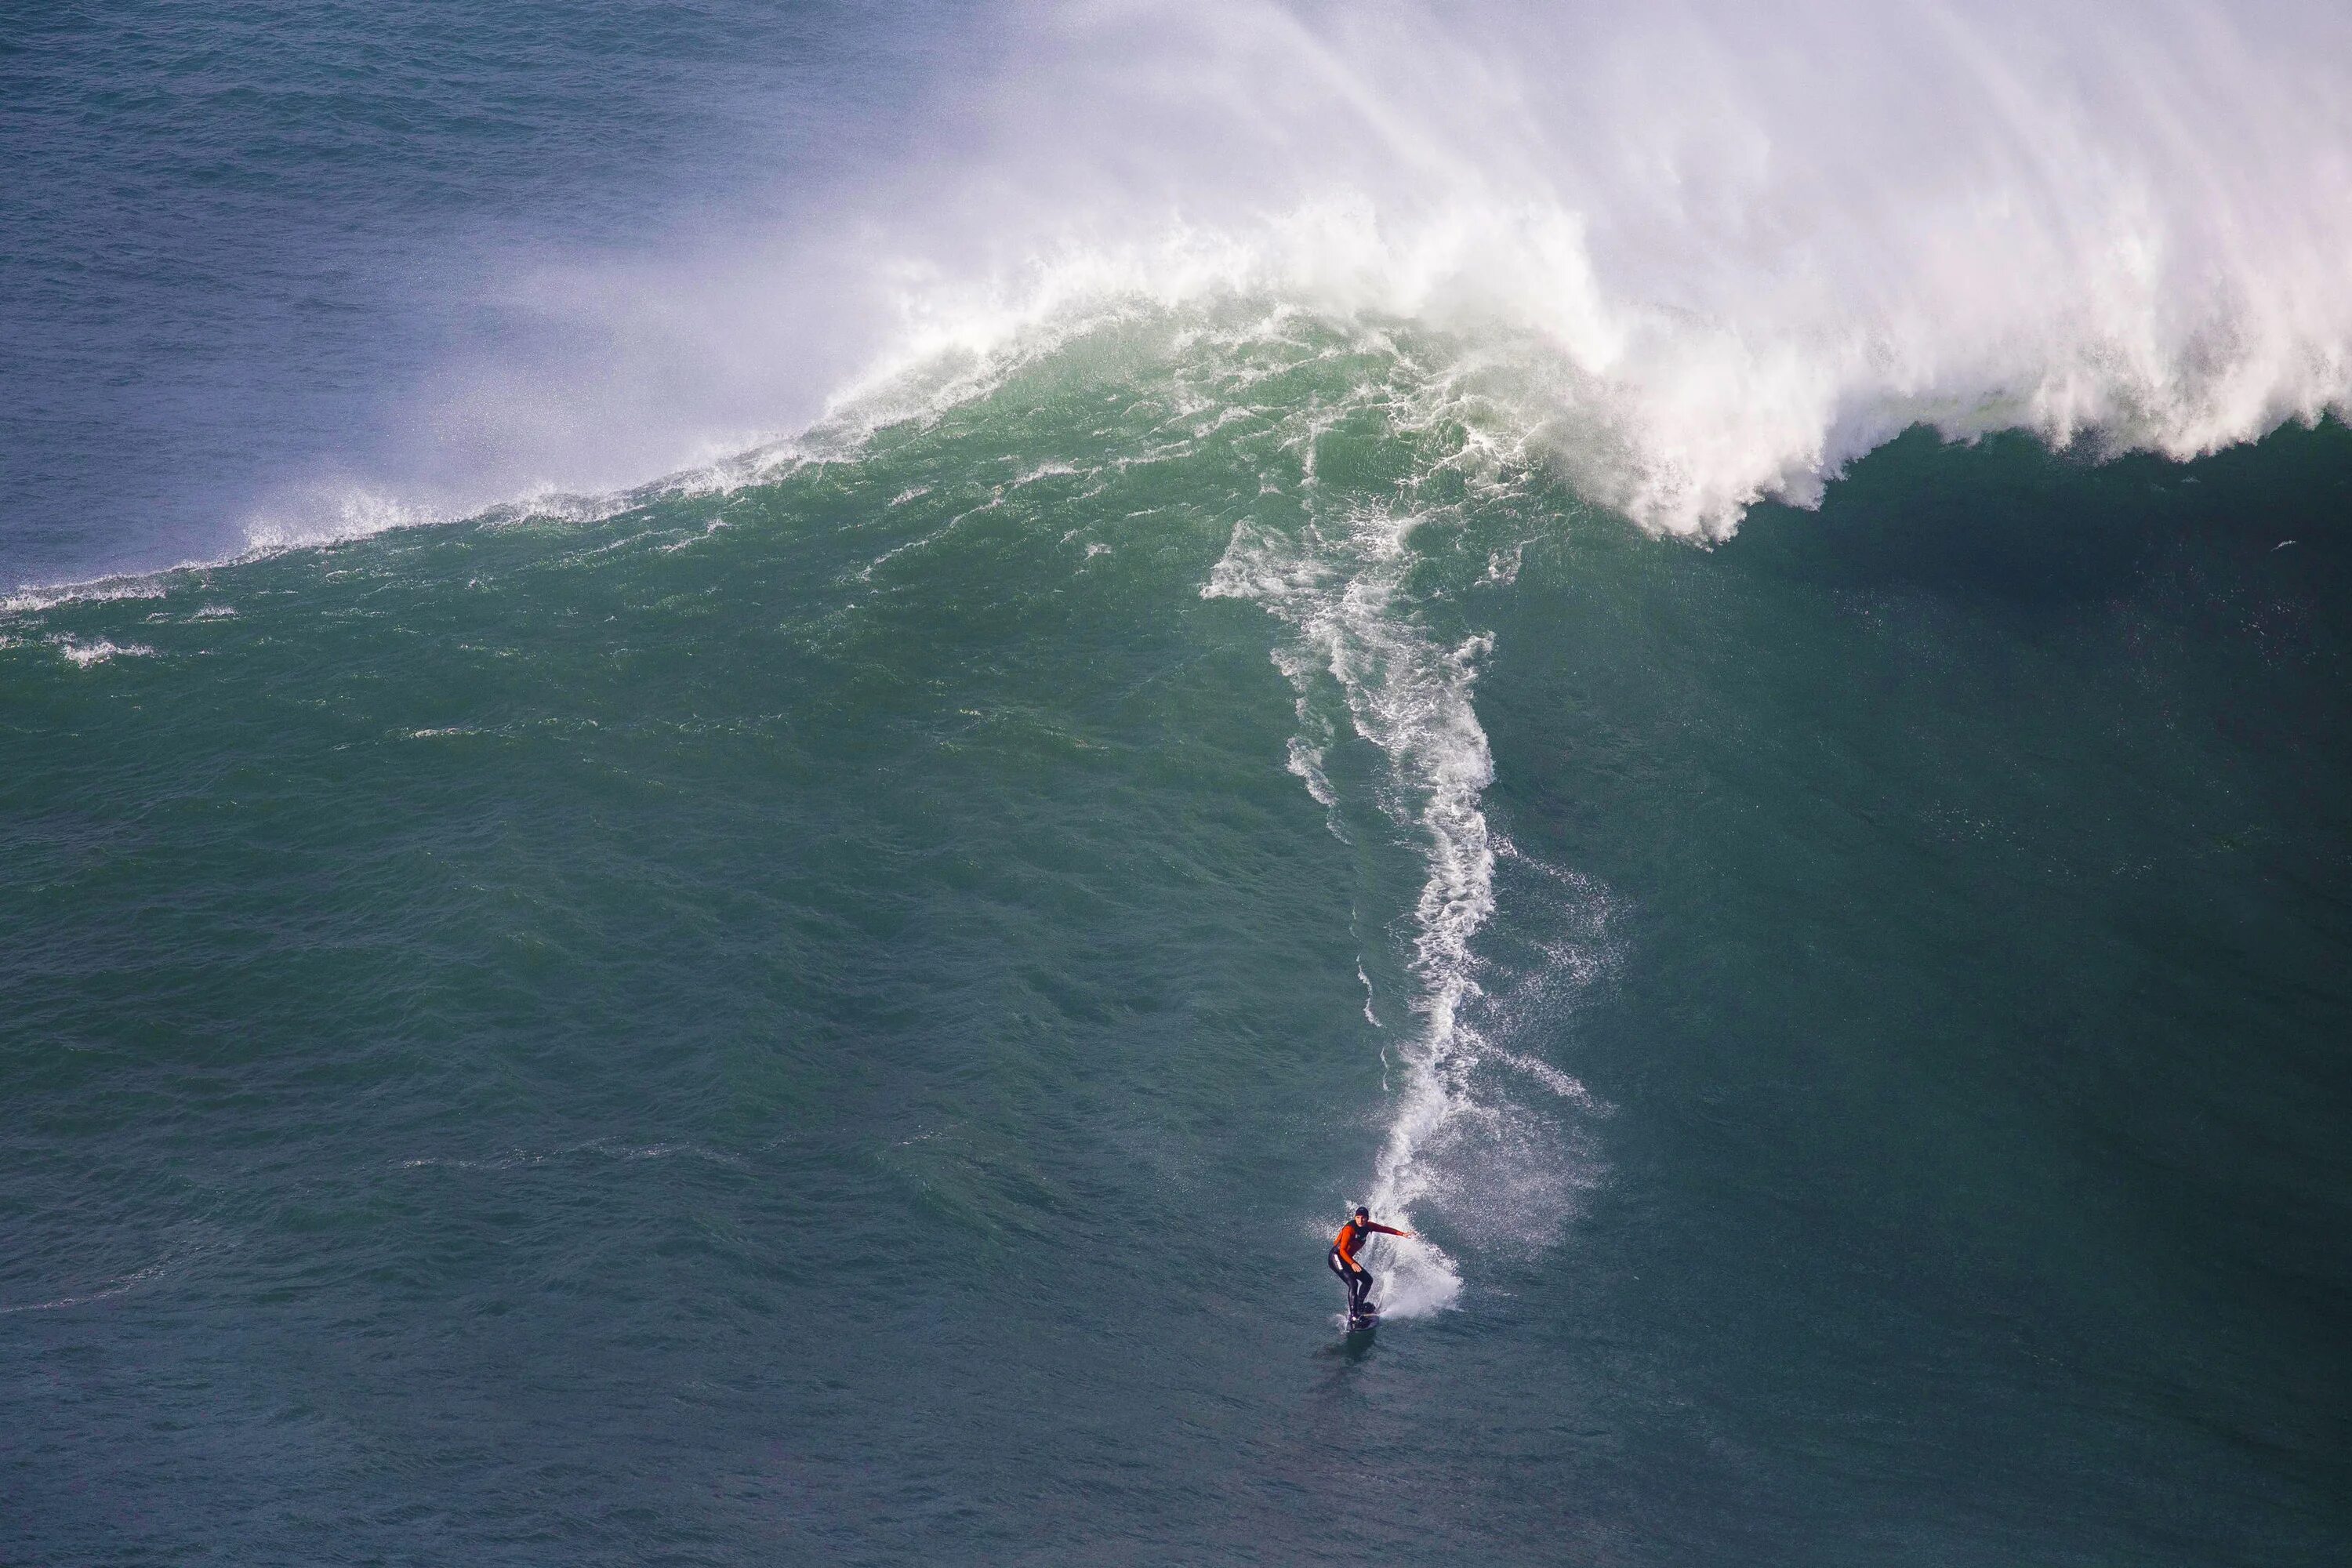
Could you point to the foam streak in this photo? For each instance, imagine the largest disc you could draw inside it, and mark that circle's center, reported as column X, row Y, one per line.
column 1408, row 695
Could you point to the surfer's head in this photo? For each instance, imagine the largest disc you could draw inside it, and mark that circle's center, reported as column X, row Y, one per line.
column 1364, row 1214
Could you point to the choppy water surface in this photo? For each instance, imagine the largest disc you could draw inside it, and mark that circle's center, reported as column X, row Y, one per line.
column 824, row 1009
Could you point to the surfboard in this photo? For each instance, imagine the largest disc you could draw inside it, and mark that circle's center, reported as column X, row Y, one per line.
column 1364, row 1322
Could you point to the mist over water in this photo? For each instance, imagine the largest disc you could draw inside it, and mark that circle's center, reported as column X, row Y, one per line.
column 1717, row 255
column 870, row 705
column 279, row 271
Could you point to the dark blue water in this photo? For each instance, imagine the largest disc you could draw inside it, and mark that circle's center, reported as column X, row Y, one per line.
column 241, row 239
column 824, row 1007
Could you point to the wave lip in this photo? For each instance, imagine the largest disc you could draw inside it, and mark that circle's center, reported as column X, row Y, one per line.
column 1712, row 256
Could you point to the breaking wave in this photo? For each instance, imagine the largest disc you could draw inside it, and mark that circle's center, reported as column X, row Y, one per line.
column 1715, row 254
column 1680, row 259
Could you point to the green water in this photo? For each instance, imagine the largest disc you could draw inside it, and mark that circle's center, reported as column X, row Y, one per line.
column 830, row 1015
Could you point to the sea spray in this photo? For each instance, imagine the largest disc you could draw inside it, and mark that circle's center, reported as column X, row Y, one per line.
column 1742, row 249
column 1722, row 254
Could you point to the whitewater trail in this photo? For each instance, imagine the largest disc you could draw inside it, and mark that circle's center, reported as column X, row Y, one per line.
column 1341, row 583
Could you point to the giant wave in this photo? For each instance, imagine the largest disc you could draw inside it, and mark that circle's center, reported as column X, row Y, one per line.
column 1718, row 254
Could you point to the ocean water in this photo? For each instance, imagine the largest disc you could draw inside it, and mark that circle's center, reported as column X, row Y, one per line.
column 749, row 757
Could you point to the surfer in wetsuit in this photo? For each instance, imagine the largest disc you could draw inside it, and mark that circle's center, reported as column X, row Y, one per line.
column 1352, row 1274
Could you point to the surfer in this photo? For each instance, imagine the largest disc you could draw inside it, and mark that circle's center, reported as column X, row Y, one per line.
column 1352, row 1274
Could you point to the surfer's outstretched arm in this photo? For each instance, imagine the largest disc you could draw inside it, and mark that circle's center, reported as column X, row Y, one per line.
column 1388, row 1230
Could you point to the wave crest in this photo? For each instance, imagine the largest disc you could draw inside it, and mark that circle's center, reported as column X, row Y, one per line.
column 1716, row 256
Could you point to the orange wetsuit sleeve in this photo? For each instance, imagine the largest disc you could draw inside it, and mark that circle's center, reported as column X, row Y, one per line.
column 1387, row 1230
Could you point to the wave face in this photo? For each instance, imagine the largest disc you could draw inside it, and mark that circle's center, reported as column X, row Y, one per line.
column 1349, row 567
column 907, row 946
column 948, row 750
column 1369, row 493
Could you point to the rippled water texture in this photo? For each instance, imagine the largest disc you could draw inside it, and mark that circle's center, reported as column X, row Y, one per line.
column 825, row 1007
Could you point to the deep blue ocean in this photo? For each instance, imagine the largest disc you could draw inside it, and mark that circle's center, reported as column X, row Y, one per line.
column 751, row 754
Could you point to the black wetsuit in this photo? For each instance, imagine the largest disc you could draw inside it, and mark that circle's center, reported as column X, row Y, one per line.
column 1352, row 1274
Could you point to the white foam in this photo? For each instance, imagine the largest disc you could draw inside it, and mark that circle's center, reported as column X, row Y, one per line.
column 317, row 519
column 713, row 526
column 98, row 650
column 1714, row 253
column 1338, row 568
column 28, row 601
column 333, row 516
column 1336, row 584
